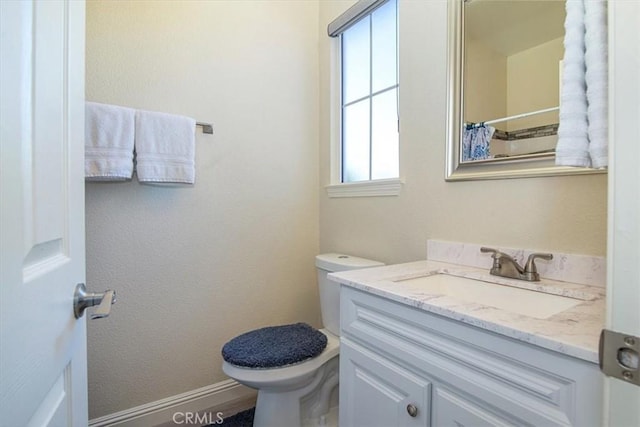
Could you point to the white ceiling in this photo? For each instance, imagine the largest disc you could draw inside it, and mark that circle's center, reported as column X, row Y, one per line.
column 511, row 26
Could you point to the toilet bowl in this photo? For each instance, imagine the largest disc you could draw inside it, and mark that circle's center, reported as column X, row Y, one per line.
column 304, row 393
column 281, row 389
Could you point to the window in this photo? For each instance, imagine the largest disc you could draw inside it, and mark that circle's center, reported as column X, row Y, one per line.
column 369, row 140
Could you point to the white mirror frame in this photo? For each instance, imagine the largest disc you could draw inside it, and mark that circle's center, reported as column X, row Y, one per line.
column 521, row 167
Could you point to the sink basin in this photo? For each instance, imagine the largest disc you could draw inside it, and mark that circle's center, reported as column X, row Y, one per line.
column 526, row 302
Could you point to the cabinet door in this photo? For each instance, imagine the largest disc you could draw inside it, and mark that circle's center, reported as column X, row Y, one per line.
column 452, row 409
column 375, row 392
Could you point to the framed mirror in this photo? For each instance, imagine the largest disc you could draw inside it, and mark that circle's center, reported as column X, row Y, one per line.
column 504, row 77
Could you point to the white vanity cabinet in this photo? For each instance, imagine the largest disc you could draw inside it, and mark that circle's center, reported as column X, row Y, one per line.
column 404, row 366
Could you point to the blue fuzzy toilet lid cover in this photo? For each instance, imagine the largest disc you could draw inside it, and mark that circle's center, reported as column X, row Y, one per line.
column 275, row 346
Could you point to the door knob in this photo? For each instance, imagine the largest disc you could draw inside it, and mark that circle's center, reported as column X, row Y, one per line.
column 412, row 410
column 83, row 299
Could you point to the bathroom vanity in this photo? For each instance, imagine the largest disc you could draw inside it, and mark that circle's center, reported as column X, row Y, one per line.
column 416, row 353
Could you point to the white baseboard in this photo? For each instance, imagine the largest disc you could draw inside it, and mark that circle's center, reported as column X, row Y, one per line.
column 162, row 411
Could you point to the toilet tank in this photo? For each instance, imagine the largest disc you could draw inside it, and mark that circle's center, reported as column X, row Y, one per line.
column 330, row 291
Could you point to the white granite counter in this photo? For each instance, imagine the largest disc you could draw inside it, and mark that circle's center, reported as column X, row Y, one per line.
column 574, row 332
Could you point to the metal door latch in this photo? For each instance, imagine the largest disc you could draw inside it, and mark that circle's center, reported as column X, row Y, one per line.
column 83, row 300
column 619, row 356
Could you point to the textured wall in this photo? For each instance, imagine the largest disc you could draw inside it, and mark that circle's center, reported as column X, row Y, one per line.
column 534, row 82
column 486, row 86
column 564, row 214
column 194, row 266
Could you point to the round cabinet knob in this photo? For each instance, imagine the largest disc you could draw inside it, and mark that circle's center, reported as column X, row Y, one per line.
column 412, row 410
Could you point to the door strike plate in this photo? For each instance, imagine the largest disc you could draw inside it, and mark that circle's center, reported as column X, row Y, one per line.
column 619, row 356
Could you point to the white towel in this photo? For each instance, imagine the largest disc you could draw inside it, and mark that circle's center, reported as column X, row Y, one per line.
column 583, row 130
column 165, row 148
column 573, row 140
column 108, row 143
column 596, row 61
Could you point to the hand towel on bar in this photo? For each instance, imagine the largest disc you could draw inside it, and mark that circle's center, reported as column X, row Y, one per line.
column 108, row 142
column 595, row 20
column 573, row 141
column 165, row 148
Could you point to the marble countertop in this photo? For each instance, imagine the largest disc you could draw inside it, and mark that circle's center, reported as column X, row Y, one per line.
column 574, row 332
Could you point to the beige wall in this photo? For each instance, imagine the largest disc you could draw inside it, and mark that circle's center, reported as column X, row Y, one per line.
column 485, row 88
column 558, row 214
column 499, row 86
column 533, row 83
column 194, row 266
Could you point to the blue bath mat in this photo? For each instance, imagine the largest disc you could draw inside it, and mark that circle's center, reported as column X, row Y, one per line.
column 275, row 346
column 241, row 419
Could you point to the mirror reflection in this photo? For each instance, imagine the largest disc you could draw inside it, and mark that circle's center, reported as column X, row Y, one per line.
column 511, row 67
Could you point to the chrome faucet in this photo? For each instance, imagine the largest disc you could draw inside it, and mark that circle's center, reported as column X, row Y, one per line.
column 505, row 266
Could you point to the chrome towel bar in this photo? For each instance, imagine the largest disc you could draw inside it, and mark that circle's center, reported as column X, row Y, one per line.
column 206, row 127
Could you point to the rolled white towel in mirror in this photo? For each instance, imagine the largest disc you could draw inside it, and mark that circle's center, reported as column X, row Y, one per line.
column 596, row 62
column 573, row 140
column 583, row 130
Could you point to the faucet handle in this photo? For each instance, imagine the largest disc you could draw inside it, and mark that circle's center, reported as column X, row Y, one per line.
column 495, row 252
column 530, row 267
column 497, row 255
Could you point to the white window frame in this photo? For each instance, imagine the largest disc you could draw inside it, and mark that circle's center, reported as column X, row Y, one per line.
column 337, row 188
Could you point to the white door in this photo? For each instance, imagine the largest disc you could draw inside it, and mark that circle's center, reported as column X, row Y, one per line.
column 622, row 400
column 43, row 376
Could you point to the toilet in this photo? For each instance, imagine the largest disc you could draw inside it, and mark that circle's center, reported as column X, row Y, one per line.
column 295, row 392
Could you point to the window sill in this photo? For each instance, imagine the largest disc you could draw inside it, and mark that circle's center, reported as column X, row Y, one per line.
column 376, row 188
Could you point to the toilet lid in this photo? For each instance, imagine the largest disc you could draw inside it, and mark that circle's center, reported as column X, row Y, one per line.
column 275, row 346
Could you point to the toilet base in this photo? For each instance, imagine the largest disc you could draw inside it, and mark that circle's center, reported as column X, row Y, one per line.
column 329, row 419
column 310, row 405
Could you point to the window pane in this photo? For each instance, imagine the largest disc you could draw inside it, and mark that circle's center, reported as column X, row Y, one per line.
column 384, row 46
column 384, row 136
column 355, row 142
column 356, row 61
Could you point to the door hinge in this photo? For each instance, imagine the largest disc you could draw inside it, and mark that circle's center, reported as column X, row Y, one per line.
column 619, row 356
